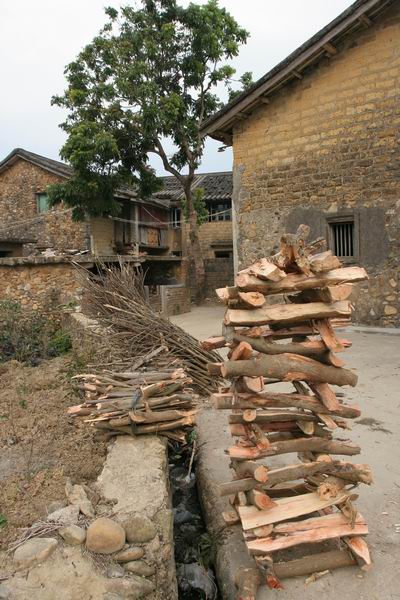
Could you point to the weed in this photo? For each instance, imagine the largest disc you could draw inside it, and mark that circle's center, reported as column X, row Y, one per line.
column 3, row 520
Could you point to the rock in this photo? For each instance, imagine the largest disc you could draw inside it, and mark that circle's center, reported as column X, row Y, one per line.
column 73, row 535
column 139, row 567
column 56, row 505
column 67, row 516
column 5, row 593
column 390, row 310
column 195, row 577
column 128, row 554
column 77, row 496
column 133, row 587
column 139, row 529
column 112, row 596
column 34, row 551
column 115, row 571
column 105, row 536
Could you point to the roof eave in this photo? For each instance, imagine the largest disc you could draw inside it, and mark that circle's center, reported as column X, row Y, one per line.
column 220, row 126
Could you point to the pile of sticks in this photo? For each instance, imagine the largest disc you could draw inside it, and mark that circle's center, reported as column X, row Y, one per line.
column 137, row 402
column 310, row 501
column 115, row 298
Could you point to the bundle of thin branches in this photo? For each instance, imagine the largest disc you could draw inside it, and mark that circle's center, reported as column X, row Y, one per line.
column 116, row 298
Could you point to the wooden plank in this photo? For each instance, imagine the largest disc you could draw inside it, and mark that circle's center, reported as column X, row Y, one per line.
column 359, row 548
column 287, row 508
column 296, row 282
column 265, row 545
column 287, row 313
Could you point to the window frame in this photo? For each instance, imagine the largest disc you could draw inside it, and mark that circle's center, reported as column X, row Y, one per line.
column 40, row 196
column 176, row 217
column 347, row 216
column 216, row 207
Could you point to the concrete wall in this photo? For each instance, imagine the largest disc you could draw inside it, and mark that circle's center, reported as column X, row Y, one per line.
column 19, row 186
column 102, row 236
column 325, row 146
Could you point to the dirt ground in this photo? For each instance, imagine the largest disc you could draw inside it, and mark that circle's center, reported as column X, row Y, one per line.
column 40, row 446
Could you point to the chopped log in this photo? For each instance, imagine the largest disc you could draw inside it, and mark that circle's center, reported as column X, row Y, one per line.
column 327, row 421
column 289, row 367
column 307, row 427
column 355, row 473
column 325, row 330
column 252, row 299
column 213, row 343
column 214, row 369
column 250, row 469
column 249, row 384
column 314, row 563
column 260, row 499
column 228, row 401
column 329, row 520
column 266, row 270
column 269, row 416
column 227, row 293
column 158, row 416
column 330, row 487
column 247, row 581
column 327, row 396
column 327, row 294
column 287, row 313
column 249, row 415
column 242, row 352
column 360, row 551
column 324, row 261
column 245, row 430
column 258, row 532
column 287, row 508
column 298, row 282
column 321, row 534
column 311, row 444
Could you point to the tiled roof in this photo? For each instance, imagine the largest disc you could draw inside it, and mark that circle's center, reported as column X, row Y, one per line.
column 217, row 186
column 55, row 166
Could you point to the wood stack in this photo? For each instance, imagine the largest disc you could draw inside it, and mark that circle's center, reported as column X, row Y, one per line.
column 310, row 501
column 137, row 402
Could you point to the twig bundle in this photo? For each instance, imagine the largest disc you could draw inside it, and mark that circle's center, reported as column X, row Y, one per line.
column 116, row 299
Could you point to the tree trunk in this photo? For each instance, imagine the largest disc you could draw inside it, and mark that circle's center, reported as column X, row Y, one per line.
column 195, row 253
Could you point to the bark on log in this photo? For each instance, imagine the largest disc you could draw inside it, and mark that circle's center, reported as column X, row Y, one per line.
column 269, row 416
column 327, row 294
column 227, row 401
column 242, row 352
column 250, row 469
column 213, row 343
column 314, row 563
column 325, row 330
column 266, row 270
column 327, row 396
column 289, row 367
column 324, row 261
column 260, row 499
column 312, row 444
column 298, row 282
column 287, row 313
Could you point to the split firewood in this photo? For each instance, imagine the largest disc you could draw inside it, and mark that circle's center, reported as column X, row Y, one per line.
column 247, row 581
column 251, row 385
column 252, row 299
column 227, row 293
column 325, row 330
column 213, row 343
column 266, row 270
column 278, row 415
column 330, row 487
column 227, row 400
column 324, row 261
column 242, row 352
column 326, row 394
column 258, row 532
column 298, row 281
column 287, row 313
column 327, row 294
column 289, row 367
column 312, row 444
column 359, row 549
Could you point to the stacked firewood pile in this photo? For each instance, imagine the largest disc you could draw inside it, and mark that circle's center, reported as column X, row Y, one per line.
column 310, row 501
column 137, row 402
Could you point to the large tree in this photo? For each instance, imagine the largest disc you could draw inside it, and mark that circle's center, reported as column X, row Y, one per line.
column 150, row 75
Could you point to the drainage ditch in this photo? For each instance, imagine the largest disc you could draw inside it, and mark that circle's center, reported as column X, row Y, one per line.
column 194, row 546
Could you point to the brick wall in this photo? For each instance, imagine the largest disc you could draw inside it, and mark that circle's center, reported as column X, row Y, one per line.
column 37, row 286
column 219, row 272
column 175, row 299
column 324, row 146
column 18, row 201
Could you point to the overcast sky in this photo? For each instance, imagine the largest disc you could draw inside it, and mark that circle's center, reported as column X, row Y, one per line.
column 38, row 38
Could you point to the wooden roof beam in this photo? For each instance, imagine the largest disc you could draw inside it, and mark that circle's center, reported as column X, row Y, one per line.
column 297, row 74
column 365, row 20
column 330, row 49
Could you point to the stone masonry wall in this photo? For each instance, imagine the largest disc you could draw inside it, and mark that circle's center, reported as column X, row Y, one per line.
column 19, row 186
column 326, row 146
column 38, row 286
column 219, row 272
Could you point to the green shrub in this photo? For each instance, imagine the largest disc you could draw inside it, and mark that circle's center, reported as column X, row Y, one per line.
column 29, row 337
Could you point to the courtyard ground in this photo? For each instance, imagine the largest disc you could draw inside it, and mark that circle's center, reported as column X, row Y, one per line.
column 375, row 357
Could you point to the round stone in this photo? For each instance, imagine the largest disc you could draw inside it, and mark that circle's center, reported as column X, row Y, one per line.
column 139, row 529
column 105, row 536
column 139, row 567
column 73, row 535
column 128, row 554
column 34, row 551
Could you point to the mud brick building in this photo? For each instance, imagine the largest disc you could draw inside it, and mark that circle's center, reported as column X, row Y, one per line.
column 316, row 140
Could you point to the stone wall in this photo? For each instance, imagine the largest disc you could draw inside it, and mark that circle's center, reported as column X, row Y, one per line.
column 219, row 272
column 19, row 186
column 326, row 146
column 175, row 299
column 38, row 283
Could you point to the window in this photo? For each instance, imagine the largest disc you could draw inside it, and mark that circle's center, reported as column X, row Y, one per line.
column 219, row 212
column 223, row 254
column 42, row 203
column 175, row 218
column 343, row 236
